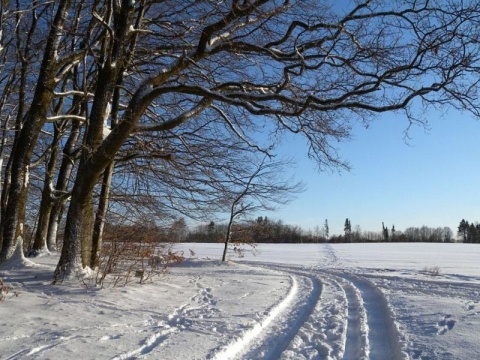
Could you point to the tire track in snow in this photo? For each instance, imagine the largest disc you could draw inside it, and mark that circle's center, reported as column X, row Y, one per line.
column 312, row 326
column 356, row 342
column 371, row 329
column 269, row 338
column 302, row 314
column 242, row 343
column 383, row 338
column 322, row 335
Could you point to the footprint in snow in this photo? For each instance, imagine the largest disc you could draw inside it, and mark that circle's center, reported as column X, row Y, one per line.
column 469, row 306
column 446, row 324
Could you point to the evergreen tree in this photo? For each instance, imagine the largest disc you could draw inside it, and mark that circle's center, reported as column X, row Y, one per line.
column 211, row 231
column 348, row 230
column 472, row 233
column 463, row 228
column 326, row 229
column 385, row 232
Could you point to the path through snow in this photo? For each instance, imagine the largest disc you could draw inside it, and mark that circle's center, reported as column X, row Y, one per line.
column 332, row 314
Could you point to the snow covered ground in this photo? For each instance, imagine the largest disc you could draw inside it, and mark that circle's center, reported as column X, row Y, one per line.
column 318, row 301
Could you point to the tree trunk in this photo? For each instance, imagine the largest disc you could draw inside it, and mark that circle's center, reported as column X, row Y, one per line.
column 86, row 231
column 55, row 217
column 68, row 161
column 100, row 216
column 228, row 237
column 13, row 222
column 46, row 204
column 78, row 226
column 40, row 241
column 13, row 225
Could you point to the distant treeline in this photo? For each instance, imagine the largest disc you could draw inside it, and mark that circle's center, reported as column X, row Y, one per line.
column 411, row 234
column 261, row 230
column 264, row 230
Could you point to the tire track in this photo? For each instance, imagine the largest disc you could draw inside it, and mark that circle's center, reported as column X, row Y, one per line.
column 371, row 329
column 383, row 338
column 357, row 343
column 301, row 316
column 360, row 325
column 314, row 325
column 269, row 338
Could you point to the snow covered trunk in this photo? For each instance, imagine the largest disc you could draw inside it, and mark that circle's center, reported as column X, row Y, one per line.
column 35, row 118
column 55, row 216
column 100, row 216
column 14, row 217
column 40, row 241
column 91, row 167
column 78, row 226
column 46, row 204
column 63, row 180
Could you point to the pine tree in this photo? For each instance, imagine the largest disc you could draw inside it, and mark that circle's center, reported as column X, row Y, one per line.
column 385, row 232
column 211, row 231
column 463, row 230
column 472, row 235
column 348, row 230
column 326, row 229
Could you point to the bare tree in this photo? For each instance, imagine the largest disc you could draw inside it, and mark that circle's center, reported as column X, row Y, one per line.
column 260, row 190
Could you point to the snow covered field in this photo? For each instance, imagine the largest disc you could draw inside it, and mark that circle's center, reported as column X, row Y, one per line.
column 345, row 301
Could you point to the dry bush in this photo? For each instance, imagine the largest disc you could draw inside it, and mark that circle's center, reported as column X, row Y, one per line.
column 134, row 251
column 243, row 240
column 5, row 290
column 432, row 271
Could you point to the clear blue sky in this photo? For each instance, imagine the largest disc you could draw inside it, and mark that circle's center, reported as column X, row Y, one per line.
column 434, row 180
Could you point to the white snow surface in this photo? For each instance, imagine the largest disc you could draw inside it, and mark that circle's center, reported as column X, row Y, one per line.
column 295, row 301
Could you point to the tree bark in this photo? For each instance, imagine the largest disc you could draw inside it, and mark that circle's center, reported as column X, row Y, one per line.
column 46, row 203
column 13, row 222
column 68, row 161
column 228, row 237
column 79, row 217
column 100, row 216
column 54, row 220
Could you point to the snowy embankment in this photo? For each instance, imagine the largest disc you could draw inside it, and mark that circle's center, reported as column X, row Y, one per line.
column 318, row 301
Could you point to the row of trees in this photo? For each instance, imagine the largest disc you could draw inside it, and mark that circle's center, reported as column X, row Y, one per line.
column 411, row 234
column 263, row 230
column 119, row 110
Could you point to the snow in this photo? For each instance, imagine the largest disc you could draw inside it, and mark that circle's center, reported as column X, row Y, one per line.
column 315, row 301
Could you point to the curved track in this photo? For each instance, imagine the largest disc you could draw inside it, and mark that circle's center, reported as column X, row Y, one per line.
column 328, row 314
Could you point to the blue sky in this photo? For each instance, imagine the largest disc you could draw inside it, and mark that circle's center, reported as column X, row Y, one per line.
column 433, row 180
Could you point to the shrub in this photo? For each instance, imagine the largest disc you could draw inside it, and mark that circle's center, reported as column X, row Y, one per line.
column 5, row 290
column 134, row 252
column 432, row 271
